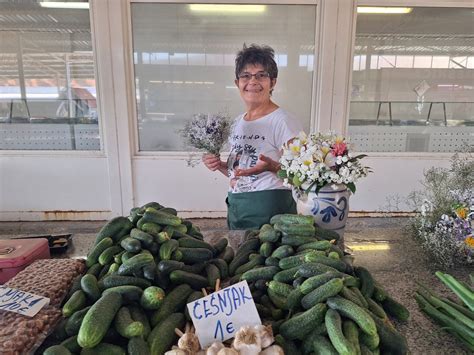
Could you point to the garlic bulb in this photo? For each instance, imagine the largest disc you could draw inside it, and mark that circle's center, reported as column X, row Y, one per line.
column 188, row 341
column 247, row 341
column 266, row 335
column 273, row 350
column 214, row 348
column 228, row 351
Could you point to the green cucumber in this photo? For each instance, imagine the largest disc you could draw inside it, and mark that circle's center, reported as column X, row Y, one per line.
column 152, row 298
column 167, row 248
column 271, row 261
column 283, row 251
column 315, row 281
column 117, row 280
column 151, row 228
column 227, row 255
column 115, row 228
column 98, row 319
column 74, row 322
column 195, row 255
column 292, row 219
column 291, row 261
column 184, row 277
column 138, row 346
column 280, row 288
column 263, row 273
column 395, row 309
column 294, row 298
column 131, row 245
column 128, row 293
column 163, row 335
column 126, row 326
column 75, row 303
column 313, row 269
column 57, row 350
column 213, row 274
column 296, row 240
column 321, row 345
column 138, row 314
column 251, row 264
column 107, row 256
column 315, row 245
column 95, row 252
column 174, row 302
column 222, row 266
column 352, row 311
column 322, row 293
column 166, row 266
column 367, row 281
column 268, row 234
column 334, row 328
column 286, row 276
column 266, row 249
column 190, row 242
column 303, row 230
column 326, row 234
column 144, row 238
column 336, row 264
column 220, row 246
column 302, row 324
column 90, row 287
column 161, row 217
column 135, row 263
column 71, row 344
column 351, row 333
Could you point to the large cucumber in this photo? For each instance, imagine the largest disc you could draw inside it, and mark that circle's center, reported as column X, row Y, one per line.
column 163, row 335
column 299, row 325
column 98, row 320
column 173, row 302
column 334, row 328
column 352, row 311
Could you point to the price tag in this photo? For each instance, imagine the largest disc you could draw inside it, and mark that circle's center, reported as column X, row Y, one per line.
column 17, row 301
column 218, row 316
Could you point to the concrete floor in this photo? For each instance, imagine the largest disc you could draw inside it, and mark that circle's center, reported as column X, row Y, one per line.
column 379, row 244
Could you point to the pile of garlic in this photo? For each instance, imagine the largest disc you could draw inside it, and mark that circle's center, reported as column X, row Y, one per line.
column 249, row 340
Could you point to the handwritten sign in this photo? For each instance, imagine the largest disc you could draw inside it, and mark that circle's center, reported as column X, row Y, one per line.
column 21, row 302
column 218, row 316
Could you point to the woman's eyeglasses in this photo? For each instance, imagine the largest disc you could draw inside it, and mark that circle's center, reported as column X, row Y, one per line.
column 260, row 76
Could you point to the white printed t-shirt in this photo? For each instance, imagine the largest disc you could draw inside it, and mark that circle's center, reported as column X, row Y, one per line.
column 249, row 139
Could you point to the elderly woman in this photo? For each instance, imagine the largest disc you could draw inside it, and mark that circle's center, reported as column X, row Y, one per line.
column 256, row 193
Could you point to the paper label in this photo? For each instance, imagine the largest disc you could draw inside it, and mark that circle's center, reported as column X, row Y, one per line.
column 17, row 301
column 218, row 316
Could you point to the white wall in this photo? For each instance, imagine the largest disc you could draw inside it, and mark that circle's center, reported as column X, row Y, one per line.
column 73, row 185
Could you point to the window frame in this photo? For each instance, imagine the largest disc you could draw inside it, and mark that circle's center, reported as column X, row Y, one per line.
column 183, row 155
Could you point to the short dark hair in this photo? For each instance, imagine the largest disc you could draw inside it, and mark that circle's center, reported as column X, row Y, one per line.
column 255, row 54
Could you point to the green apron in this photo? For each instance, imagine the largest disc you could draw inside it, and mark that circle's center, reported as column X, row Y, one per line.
column 250, row 210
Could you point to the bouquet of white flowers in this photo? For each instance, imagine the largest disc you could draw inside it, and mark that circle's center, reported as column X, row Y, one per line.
column 320, row 159
column 207, row 132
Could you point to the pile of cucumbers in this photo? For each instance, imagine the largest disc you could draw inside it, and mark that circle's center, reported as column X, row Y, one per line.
column 315, row 299
column 141, row 272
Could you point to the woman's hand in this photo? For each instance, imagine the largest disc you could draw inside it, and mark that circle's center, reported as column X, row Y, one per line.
column 264, row 164
column 214, row 162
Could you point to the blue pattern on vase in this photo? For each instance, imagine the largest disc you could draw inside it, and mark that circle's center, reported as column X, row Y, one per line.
column 331, row 210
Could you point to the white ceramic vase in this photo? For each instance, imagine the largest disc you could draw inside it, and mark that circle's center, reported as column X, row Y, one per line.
column 329, row 207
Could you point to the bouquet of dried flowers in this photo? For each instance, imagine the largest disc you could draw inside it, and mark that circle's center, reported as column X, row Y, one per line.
column 445, row 222
column 207, row 132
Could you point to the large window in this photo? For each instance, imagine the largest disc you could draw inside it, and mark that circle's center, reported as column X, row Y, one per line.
column 184, row 62
column 47, row 83
column 413, row 80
